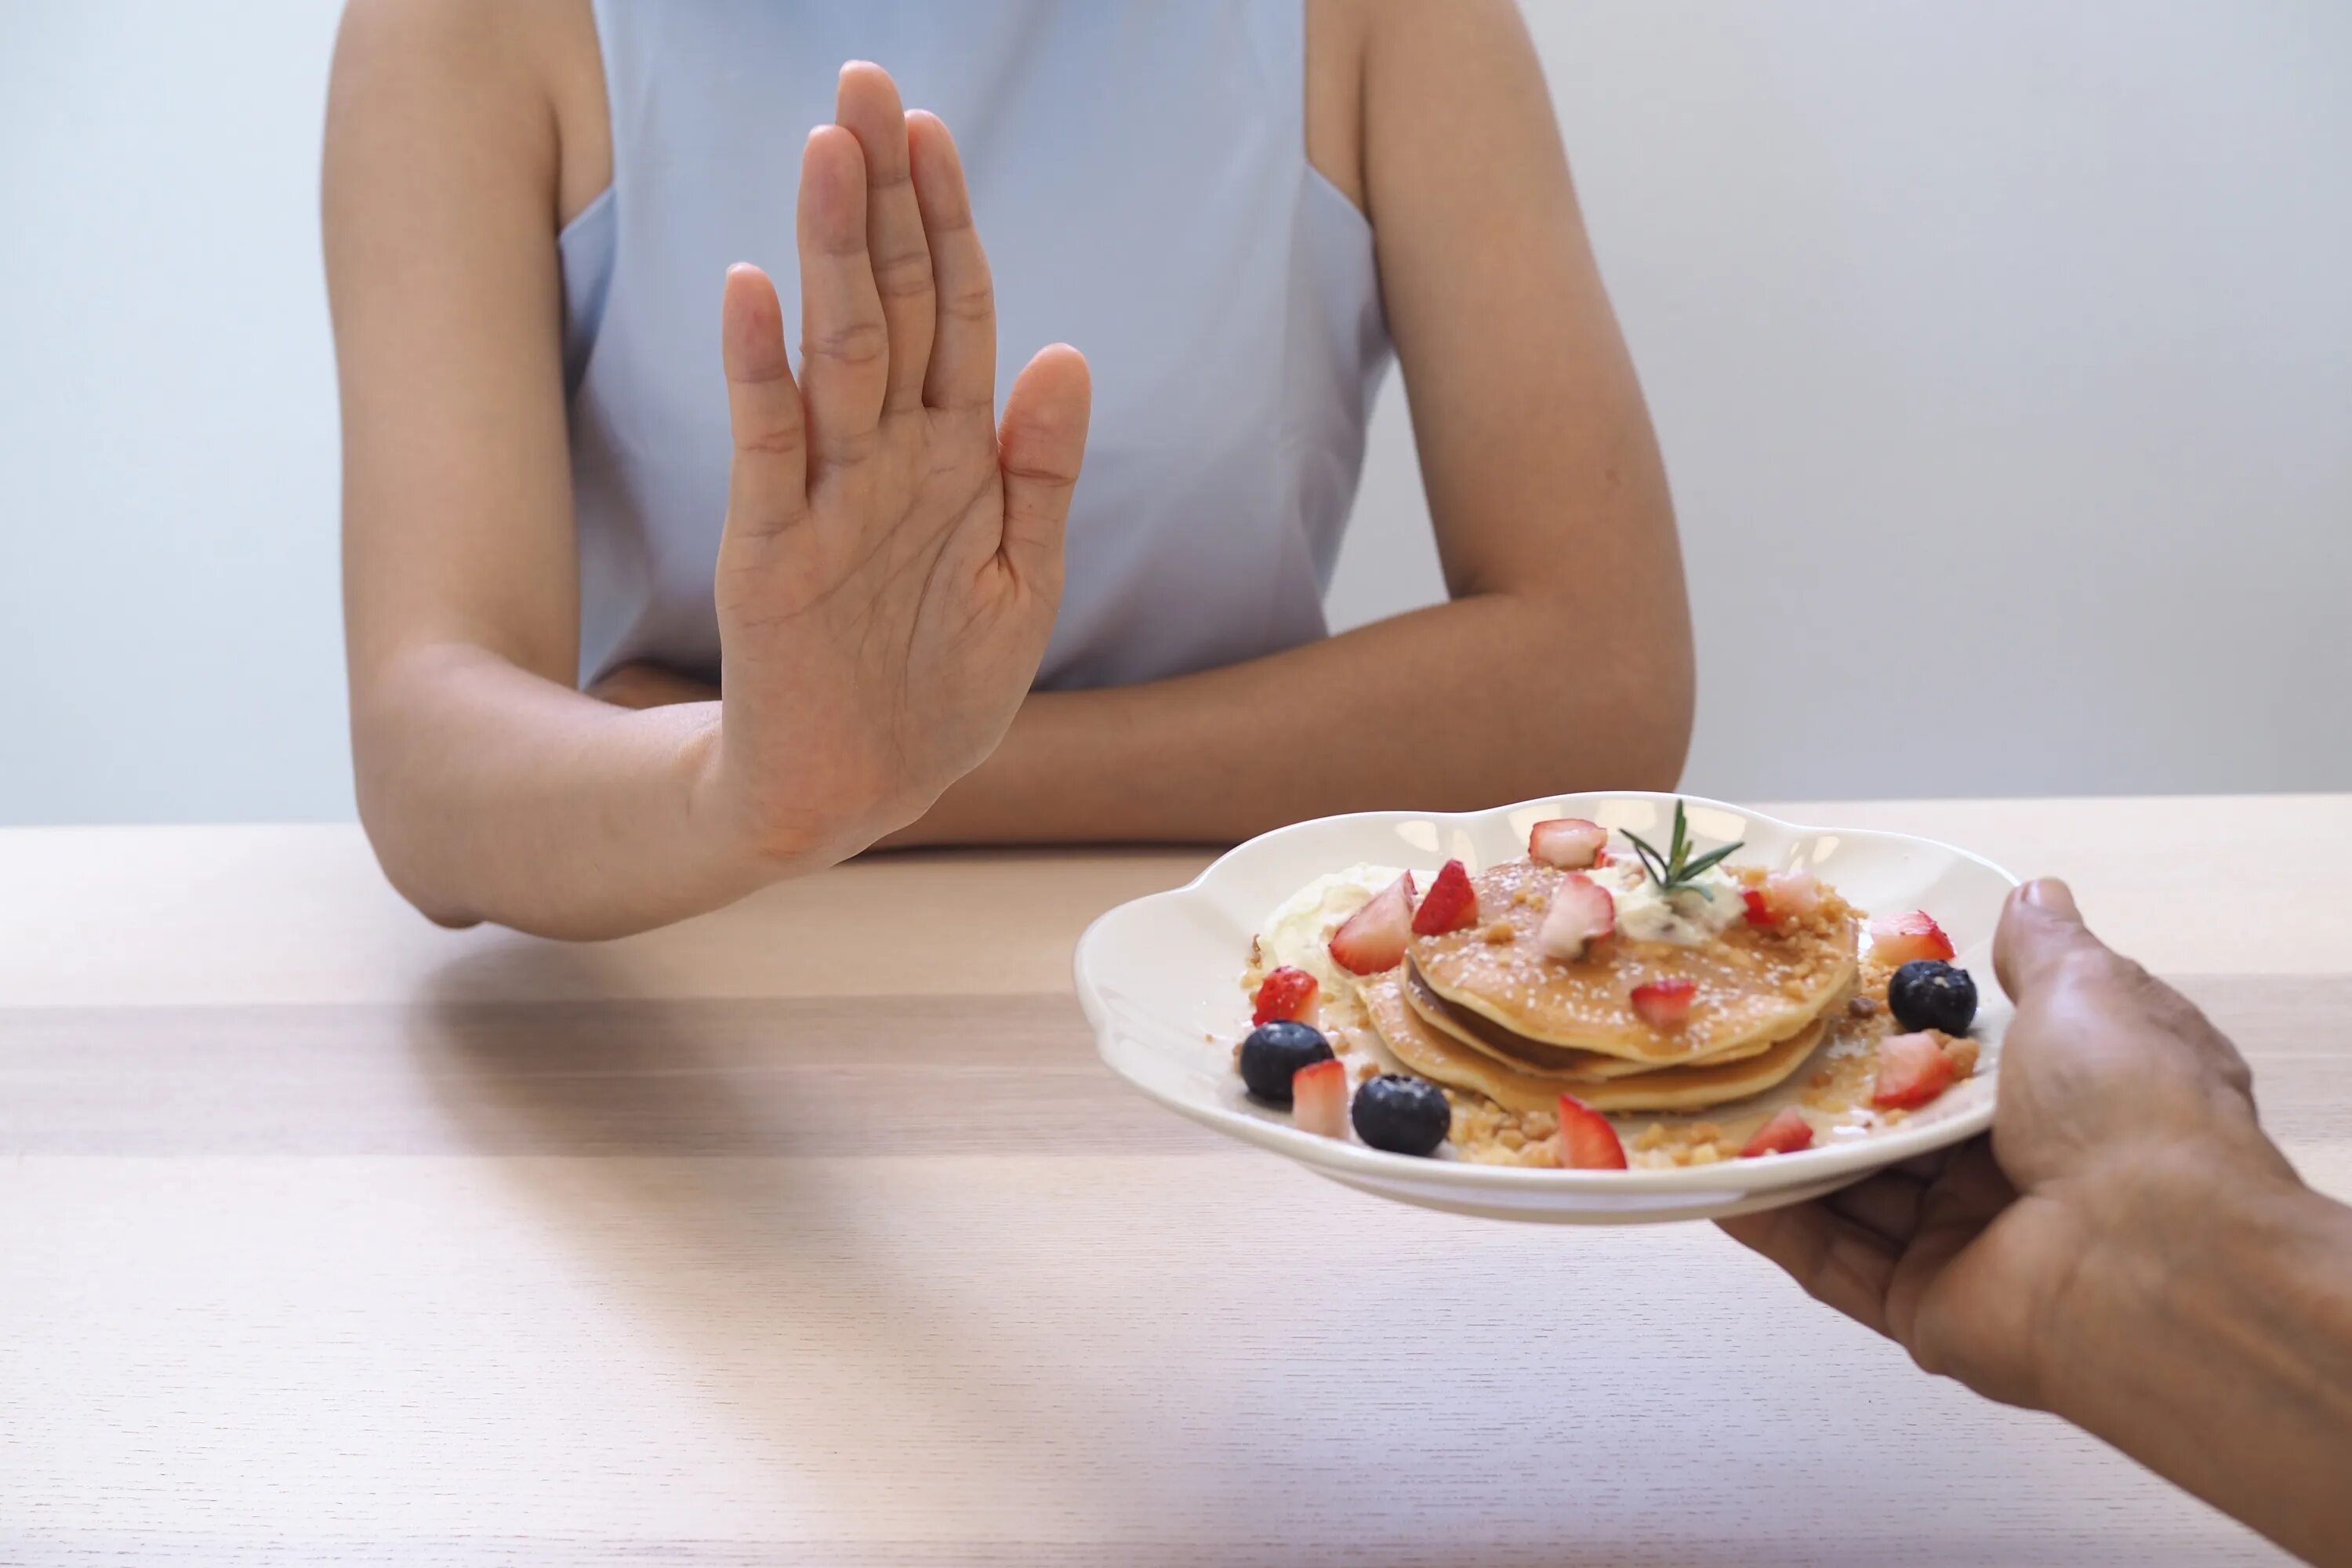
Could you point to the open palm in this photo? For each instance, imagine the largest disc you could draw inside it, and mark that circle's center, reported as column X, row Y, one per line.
column 892, row 560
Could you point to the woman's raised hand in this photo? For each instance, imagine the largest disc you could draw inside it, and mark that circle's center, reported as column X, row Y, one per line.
column 892, row 559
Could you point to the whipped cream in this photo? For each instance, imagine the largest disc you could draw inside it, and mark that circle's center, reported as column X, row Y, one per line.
column 1298, row 931
column 1686, row 919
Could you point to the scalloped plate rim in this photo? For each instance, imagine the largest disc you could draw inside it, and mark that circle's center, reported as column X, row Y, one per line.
column 1357, row 1164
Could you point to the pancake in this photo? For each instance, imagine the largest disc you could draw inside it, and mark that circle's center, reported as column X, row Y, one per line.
column 1756, row 984
column 1442, row 1059
column 1521, row 1054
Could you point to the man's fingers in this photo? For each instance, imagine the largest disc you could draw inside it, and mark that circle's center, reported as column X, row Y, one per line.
column 963, row 373
column 1040, row 448
column 1953, row 1212
column 767, row 486
column 2040, row 930
column 1887, row 1205
column 1839, row 1263
column 845, row 347
column 868, row 108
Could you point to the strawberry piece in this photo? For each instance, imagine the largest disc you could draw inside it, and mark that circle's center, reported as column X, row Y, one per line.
column 1569, row 843
column 1373, row 938
column 1287, row 993
column 1587, row 1141
column 1791, row 895
column 1450, row 904
column 1787, row 1132
column 1581, row 914
column 1665, row 1003
column 1899, row 939
column 1785, row 896
column 1319, row 1098
column 1602, row 857
column 1912, row 1071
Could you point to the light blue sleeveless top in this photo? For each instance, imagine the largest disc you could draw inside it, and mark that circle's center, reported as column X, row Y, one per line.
column 1139, row 177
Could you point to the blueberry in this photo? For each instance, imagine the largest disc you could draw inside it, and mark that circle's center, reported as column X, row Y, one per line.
column 1403, row 1115
column 1274, row 1051
column 1928, row 994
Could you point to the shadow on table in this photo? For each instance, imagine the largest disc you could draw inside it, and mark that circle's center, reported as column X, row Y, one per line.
column 735, row 1172
column 672, row 1142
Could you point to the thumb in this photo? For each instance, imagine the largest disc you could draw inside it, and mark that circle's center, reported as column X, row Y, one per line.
column 2039, row 929
column 1039, row 447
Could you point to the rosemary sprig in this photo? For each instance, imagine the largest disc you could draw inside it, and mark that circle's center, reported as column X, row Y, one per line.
column 1675, row 872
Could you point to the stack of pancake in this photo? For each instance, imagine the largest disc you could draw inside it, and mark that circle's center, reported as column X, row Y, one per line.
column 1481, row 1010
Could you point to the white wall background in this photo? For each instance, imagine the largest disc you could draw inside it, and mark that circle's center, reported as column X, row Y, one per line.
column 2002, row 350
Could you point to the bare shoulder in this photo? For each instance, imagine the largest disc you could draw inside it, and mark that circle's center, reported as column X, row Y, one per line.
column 1384, row 73
column 1335, row 91
column 1447, row 35
column 521, row 81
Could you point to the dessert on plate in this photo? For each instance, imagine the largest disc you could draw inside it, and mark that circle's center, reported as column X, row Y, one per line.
column 1509, row 1012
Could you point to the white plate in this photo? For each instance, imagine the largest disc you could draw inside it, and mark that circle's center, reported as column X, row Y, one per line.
column 1160, row 979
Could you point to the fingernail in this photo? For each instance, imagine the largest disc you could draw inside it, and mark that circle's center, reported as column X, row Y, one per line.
column 2050, row 893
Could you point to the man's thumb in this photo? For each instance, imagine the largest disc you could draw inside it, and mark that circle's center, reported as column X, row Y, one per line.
column 2040, row 926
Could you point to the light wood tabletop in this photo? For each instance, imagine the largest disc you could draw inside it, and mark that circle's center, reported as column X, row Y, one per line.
column 814, row 1232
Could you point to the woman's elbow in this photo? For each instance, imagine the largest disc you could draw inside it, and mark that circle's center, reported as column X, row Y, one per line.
column 1636, row 733
column 401, row 827
column 395, row 838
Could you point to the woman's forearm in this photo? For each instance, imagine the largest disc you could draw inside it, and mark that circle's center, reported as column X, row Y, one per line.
column 2214, row 1344
column 493, row 795
column 1428, row 710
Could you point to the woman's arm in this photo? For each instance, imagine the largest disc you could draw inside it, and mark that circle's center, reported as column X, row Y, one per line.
column 889, row 563
column 490, row 788
column 1563, row 660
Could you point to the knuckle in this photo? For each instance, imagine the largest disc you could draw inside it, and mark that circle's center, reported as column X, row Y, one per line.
column 906, row 274
column 847, row 443
column 773, row 441
column 853, row 344
column 972, row 304
column 2089, row 964
column 1031, row 474
column 2234, row 1071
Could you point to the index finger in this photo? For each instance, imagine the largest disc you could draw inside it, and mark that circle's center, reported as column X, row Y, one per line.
column 1839, row 1263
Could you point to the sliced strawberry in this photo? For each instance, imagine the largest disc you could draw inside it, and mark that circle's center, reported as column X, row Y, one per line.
column 1581, row 914
column 1602, row 857
column 1450, row 904
column 1587, row 1141
column 1785, row 896
column 1569, row 843
column 1912, row 1071
column 1287, row 993
column 1665, row 1003
column 1792, row 894
column 1319, row 1098
column 1899, row 939
column 1373, row 938
column 1787, row 1132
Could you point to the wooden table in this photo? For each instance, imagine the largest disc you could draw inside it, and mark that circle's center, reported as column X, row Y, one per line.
column 812, row 1232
